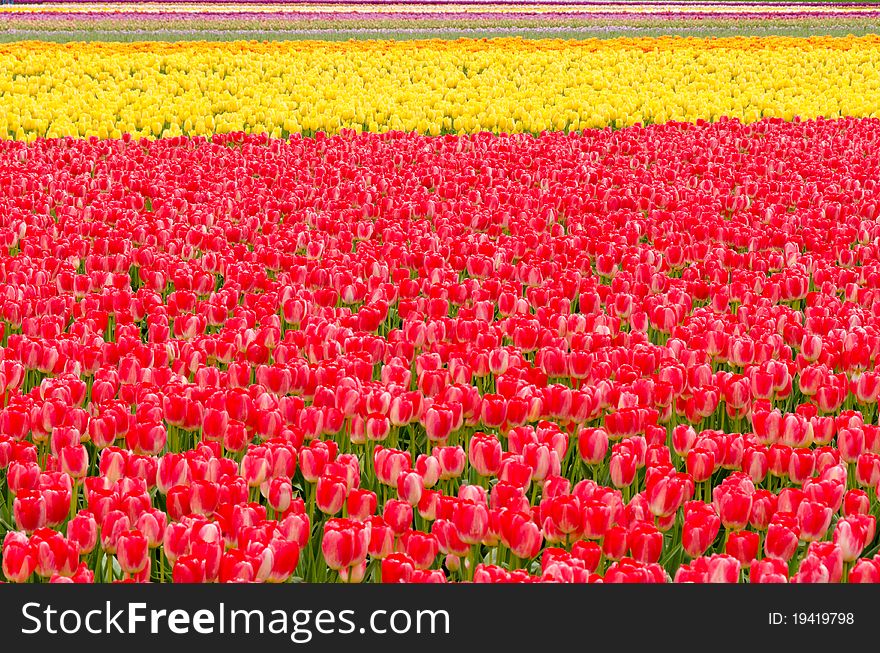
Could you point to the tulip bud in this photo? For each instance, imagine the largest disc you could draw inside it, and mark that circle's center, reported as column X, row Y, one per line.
column 74, row 461
column 743, row 545
column 452, row 461
column 645, row 543
column 781, row 540
column 852, row 534
column 865, row 571
column 398, row 515
column 279, row 493
column 29, row 510
column 344, row 543
column 592, row 445
column 422, row 548
column 204, row 497
column 361, row 504
column 83, row 530
column 622, row 468
column 410, row 486
column 856, row 502
column 19, row 561
column 132, row 551
column 330, row 494
column 397, row 568
column 484, row 454
column 701, row 526
column 769, row 570
column 814, row 518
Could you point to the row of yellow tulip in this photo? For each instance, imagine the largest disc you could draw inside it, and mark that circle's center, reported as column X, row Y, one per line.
column 503, row 85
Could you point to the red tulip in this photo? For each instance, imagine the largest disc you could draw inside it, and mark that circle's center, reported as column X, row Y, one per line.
column 856, row 502
column 868, row 470
column 422, row 548
column 645, row 543
column 755, row 463
column 589, row 553
column 410, row 486
column 177, row 502
column 850, row 443
column 57, row 496
column 592, row 445
column 361, row 504
column 722, row 568
column 314, row 457
column 382, row 538
column 789, row 499
column 701, row 526
column 801, row 465
column 471, row 521
column 19, row 561
column 151, row 523
column 449, row 539
column 255, row 467
column 438, row 422
column 330, row 494
column 388, row 464
column 204, row 497
column 398, row 515
column 814, row 518
column 665, row 495
column 112, row 527
column 769, row 570
column 811, row 570
column 743, row 545
column 683, row 439
column 622, row 468
column 865, row 571
column 54, row 554
column 781, row 540
column 628, row 570
column 22, row 476
column 29, row 510
column 515, row 471
column 148, row 438
column 239, row 566
column 598, row 518
column 74, row 461
column 172, row 470
column 188, row 569
column 377, row 427
column 82, row 529
column 852, row 534
column 132, row 551
column 295, row 528
column 484, row 454
column 344, row 543
column 700, row 464
column 778, row 457
column 82, row 575
column 284, row 560
column 176, row 542
column 278, row 493
column 520, row 534
column 734, row 507
column 397, row 568
column 452, row 461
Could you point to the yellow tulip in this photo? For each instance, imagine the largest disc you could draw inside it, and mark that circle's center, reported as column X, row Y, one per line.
column 432, row 86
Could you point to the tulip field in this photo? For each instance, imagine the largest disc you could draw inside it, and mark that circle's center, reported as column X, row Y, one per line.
column 232, row 20
column 440, row 310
